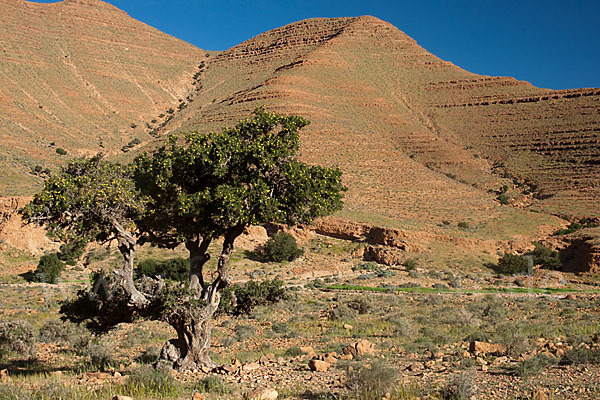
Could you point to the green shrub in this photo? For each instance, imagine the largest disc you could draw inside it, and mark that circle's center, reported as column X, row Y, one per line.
column 371, row 383
column 55, row 330
column 281, row 247
column 582, row 356
column 71, row 252
column 460, row 387
column 60, row 151
column 503, row 199
column 176, row 269
column 463, row 225
column 48, row 269
column 410, row 264
column 511, row 264
column 546, row 258
column 360, row 304
column 534, row 365
column 213, row 384
column 147, row 380
column 101, row 356
column 241, row 299
column 342, row 313
column 17, row 337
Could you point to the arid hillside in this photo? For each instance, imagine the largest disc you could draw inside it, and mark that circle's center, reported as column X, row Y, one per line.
column 395, row 116
column 83, row 76
column 465, row 165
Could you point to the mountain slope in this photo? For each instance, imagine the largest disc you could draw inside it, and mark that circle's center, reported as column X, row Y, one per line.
column 390, row 114
column 79, row 75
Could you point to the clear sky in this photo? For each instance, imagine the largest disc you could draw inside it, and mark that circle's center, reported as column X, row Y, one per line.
column 550, row 43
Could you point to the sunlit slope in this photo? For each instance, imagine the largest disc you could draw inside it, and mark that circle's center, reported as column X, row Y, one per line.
column 83, row 76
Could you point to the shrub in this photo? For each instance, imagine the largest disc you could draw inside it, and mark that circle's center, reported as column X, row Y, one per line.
column 213, row 384
column 55, row 330
column 281, row 247
column 511, row 264
column 101, row 356
column 546, row 258
column 241, row 299
column 48, row 269
column 534, row 365
column 60, row 151
column 18, row 337
column 460, row 387
column 342, row 312
column 133, row 125
column 360, row 304
column 371, row 383
column 463, row 225
column 293, row 351
column 176, row 269
column 147, row 380
column 71, row 252
column 582, row 356
column 410, row 264
column 503, row 199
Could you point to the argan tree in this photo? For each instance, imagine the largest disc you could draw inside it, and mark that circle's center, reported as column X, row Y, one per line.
column 189, row 191
column 215, row 185
column 91, row 199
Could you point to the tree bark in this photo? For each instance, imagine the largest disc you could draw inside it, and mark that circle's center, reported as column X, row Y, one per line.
column 198, row 257
column 193, row 326
column 126, row 245
column 190, row 350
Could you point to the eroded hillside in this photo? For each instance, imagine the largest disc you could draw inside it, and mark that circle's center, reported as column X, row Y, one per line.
column 83, row 76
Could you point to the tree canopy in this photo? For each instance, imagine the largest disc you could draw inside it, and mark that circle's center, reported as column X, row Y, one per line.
column 192, row 191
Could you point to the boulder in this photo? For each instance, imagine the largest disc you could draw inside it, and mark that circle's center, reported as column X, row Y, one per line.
column 486, row 348
column 361, row 348
column 308, row 350
column 261, row 393
column 198, row 396
column 318, row 365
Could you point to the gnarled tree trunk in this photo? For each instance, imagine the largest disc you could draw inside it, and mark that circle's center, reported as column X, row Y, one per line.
column 193, row 325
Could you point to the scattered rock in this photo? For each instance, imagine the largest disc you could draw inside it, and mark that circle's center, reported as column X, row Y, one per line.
column 198, row 396
column 308, row 350
column 485, row 348
column 119, row 397
column 361, row 348
column 329, row 358
column 348, row 327
column 346, row 357
column 499, row 361
column 3, row 374
column 250, row 367
column 261, row 393
column 318, row 365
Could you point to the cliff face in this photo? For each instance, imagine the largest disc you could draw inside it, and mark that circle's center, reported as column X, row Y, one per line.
column 79, row 74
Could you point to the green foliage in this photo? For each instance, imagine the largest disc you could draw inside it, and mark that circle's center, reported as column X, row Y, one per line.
column 17, row 337
column 213, row 384
column 371, row 383
column 71, row 252
column 582, row 355
column 60, row 151
column 503, row 199
column 546, row 258
column 463, row 225
column 148, row 381
column 100, row 355
column 281, row 247
column 241, row 176
column 48, row 269
column 241, row 299
column 86, row 200
column 410, row 264
column 511, row 264
column 534, row 365
column 460, row 387
column 176, row 269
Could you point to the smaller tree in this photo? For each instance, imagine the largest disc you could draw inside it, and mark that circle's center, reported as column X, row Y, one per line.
column 512, row 264
column 282, row 247
column 48, row 269
column 91, row 199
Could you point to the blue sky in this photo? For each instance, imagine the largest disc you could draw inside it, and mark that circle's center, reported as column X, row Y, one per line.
column 552, row 44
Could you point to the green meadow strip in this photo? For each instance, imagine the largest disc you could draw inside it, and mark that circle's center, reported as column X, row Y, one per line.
column 462, row 291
